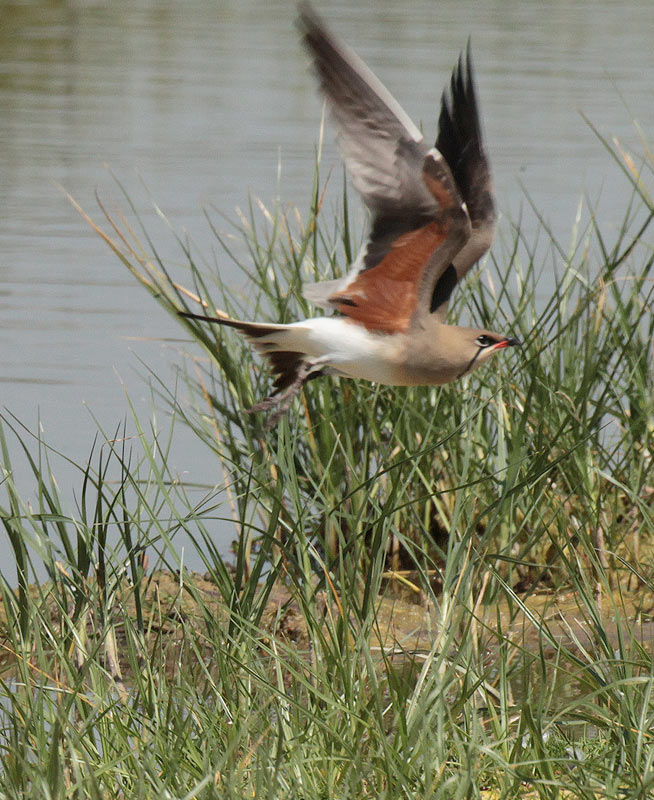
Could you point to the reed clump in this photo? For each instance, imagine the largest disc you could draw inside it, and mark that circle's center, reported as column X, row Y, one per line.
column 515, row 507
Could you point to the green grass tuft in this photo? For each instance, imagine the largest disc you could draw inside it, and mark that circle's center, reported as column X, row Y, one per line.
column 514, row 508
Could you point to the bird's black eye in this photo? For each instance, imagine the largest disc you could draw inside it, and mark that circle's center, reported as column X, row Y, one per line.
column 484, row 341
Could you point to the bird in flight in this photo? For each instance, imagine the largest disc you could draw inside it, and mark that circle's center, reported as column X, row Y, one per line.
column 432, row 216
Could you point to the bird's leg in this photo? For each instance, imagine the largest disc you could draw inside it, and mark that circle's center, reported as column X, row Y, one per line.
column 279, row 404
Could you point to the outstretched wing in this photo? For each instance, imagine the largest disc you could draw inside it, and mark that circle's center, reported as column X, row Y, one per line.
column 418, row 222
column 460, row 142
column 395, row 294
column 382, row 148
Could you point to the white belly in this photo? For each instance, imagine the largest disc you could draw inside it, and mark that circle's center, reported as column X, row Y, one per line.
column 349, row 349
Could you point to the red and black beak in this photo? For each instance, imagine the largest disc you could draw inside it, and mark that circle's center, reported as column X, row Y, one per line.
column 508, row 342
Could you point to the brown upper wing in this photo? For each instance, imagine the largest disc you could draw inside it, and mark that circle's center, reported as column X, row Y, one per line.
column 418, row 225
column 395, row 295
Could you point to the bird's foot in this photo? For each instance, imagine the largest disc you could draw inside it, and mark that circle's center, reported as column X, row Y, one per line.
column 279, row 404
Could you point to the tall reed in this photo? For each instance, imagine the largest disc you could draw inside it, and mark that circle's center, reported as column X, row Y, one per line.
column 292, row 667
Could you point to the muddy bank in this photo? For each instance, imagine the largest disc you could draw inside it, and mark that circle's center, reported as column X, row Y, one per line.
column 170, row 610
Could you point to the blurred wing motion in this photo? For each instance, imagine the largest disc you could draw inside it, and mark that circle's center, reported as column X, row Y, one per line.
column 432, row 209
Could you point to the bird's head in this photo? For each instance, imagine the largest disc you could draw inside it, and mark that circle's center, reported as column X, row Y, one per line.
column 469, row 348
